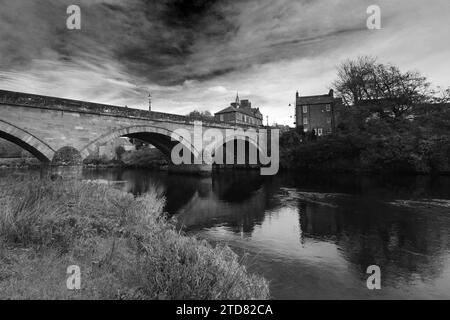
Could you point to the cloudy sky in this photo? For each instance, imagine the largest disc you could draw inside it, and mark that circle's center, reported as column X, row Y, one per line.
column 195, row 54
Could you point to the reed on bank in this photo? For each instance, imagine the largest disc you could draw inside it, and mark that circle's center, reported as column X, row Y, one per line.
column 124, row 245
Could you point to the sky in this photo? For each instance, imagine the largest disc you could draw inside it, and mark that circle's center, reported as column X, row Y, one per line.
column 197, row 54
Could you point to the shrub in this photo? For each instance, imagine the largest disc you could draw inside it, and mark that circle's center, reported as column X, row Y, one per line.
column 67, row 156
column 102, row 160
column 147, row 157
column 332, row 153
column 397, row 153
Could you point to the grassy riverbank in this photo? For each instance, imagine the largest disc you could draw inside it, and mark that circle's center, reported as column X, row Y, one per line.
column 19, row 162
column 123, row 246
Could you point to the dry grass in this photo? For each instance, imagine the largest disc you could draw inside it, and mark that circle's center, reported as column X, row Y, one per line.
column 125, row 248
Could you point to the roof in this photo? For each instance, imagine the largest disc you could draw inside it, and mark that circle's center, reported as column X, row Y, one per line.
column 227, row 110
column 316, row 99
column 250, row 112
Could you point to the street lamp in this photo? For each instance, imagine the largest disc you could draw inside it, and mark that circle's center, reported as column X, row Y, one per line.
column 149, row 102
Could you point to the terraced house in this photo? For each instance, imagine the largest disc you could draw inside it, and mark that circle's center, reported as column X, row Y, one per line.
column 317, row 113
column 240, row 112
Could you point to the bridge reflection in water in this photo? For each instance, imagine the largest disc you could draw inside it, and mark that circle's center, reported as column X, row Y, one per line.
column 314, row 236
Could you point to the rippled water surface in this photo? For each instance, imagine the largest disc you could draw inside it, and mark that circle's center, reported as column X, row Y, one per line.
column 313, row 236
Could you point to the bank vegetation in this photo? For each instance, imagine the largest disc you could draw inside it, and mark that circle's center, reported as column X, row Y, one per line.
column 125, row 246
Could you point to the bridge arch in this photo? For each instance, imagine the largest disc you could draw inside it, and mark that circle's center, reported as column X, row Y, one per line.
column 27, row 141
column 161, row 138
column 249, row 142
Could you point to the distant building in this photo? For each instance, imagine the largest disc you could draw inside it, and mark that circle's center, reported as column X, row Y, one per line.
column 241, row 112
column 282, row 128
column 317, row 113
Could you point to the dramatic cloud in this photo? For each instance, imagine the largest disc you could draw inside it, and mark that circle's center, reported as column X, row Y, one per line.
column 195, row 54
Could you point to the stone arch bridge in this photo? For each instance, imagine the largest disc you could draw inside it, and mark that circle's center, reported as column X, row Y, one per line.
column 44, row 125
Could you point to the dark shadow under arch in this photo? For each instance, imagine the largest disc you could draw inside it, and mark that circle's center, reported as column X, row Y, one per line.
column 248, row 143
column 158, row 137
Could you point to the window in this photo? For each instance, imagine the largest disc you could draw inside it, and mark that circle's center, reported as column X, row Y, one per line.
column 328, row 107
column 305, row 109
column 319, row 132
column 221, row 117
column 328, row 120
column 305, row 121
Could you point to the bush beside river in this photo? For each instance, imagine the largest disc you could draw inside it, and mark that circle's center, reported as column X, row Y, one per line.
column 125, row 247
column 19, row 162
column 149, row 158
column 399, row 153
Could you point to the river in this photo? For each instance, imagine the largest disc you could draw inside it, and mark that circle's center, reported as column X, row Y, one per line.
column 314, row 236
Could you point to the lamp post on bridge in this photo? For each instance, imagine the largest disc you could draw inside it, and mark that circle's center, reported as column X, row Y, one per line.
column 149, row 102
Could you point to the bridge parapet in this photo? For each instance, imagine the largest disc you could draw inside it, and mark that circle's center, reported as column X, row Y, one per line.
column 62, row 104
column 54, row 103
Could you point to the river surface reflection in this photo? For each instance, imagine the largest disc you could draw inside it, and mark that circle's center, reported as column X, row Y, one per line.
column 313, row 236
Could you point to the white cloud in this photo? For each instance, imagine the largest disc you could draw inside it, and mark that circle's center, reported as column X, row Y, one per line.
column 271, row 50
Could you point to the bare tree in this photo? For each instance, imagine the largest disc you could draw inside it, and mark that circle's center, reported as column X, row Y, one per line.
column 352, row 80
column 382, row 87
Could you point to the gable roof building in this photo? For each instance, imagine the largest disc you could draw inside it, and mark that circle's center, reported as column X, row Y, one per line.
column 240, row 111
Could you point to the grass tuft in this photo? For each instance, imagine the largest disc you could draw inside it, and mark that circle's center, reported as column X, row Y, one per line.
column 125, row 247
